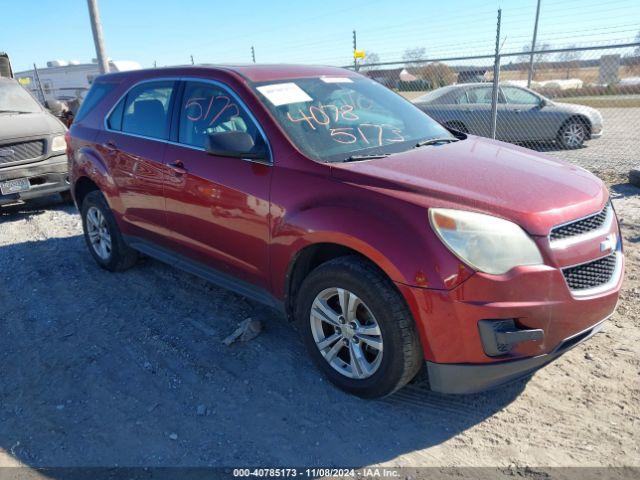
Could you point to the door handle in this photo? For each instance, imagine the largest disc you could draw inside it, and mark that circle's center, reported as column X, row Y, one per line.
column 178, row 167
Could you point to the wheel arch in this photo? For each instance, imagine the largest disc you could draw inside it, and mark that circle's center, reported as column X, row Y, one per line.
column 581, row 118
column 82, row 187
column 310, row 257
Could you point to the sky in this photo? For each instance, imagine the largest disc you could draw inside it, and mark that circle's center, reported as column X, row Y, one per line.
column 168, row 32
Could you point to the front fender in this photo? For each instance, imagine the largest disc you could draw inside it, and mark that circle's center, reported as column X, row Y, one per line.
column 407, row 251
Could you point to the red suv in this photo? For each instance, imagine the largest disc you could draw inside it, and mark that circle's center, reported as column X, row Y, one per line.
column 388, row 239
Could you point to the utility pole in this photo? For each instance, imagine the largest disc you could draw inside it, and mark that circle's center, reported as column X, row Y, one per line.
column 253, row 54
column 355, row 47
column 37, row 76
column 496, row 80
column 533, row 46
column 98, row 38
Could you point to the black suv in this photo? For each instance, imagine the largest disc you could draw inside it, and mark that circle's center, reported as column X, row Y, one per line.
column 33, row 160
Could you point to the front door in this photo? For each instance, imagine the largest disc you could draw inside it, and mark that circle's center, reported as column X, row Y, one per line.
column 217, row 207
column 524, row 118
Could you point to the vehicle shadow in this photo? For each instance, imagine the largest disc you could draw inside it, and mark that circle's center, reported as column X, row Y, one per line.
column 37, row 206
column 129, row 369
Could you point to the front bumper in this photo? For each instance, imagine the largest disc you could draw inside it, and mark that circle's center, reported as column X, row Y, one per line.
column 464, row 379
column 45, row 177
column 534, row 298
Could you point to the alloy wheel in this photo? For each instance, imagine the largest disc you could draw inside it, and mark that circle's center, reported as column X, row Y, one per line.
column 98, row 232
column 346, row 333
column 574, row 135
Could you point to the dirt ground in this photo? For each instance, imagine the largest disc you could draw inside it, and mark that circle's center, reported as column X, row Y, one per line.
column 103, row 369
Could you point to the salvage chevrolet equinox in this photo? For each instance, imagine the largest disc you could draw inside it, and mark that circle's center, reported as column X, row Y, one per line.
column 392, row 243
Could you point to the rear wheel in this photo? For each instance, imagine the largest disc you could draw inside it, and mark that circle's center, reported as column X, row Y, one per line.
column 573, row 134
column 103, row 236
column 357, row 328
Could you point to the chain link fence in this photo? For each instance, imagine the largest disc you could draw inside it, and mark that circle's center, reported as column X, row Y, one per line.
column 580, row 103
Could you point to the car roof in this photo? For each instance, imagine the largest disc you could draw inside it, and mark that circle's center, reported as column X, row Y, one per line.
column 251, row 72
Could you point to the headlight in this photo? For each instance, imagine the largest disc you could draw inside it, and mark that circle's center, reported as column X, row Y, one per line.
column 58, row 144
column 488, row 244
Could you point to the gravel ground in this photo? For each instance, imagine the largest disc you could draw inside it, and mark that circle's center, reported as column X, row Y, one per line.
column 129, row 369
column 616, row 152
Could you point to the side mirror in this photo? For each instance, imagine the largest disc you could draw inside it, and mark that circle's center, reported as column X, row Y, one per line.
column 234, row 144
column 543, row 103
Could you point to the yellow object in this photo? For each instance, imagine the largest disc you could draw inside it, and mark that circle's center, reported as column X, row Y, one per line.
column 24, row 81
column 358, row 54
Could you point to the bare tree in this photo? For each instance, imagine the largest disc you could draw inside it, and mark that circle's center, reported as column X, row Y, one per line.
column 438, row 74
column 537, row 57
column 414, row 57
column 570, row 59
column 370, row 58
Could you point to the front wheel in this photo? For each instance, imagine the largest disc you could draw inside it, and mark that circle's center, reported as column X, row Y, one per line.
column 357, row 328
column 573, row 134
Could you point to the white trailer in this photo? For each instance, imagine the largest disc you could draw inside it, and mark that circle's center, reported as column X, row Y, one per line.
column 67, row 81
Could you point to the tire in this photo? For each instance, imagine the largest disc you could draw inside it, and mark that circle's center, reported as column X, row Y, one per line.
column 634, row 177
column 573, row 134
column 98, row 221
column 397, row 356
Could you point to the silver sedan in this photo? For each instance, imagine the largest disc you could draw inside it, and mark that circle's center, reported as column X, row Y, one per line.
column 522, row 115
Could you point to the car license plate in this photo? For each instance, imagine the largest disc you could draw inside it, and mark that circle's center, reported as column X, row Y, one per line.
column 14, row 186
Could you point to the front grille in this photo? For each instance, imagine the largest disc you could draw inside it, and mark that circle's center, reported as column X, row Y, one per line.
column 580, row 227
column 592, row 274
column 18, row 152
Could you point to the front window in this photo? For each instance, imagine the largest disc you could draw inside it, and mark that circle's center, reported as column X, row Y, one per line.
column 520, row 96
column 333, row 118
column 15, row 99
column 207, row 109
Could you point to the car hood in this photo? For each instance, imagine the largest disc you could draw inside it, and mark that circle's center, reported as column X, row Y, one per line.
column 15, row 126
column 533, row 190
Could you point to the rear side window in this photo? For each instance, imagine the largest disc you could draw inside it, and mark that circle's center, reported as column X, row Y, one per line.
column 97, row 92
column 146, row 110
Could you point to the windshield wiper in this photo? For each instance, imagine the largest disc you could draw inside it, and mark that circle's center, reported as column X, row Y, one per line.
column 12, row 111
column 355, row 158
column 435, row 141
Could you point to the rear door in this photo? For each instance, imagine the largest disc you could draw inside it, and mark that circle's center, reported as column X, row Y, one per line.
column 477, row 114
column 134, row 142
column 217, row 207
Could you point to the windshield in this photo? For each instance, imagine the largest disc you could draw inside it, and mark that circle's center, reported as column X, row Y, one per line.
column 334, row 118
column 14, row 98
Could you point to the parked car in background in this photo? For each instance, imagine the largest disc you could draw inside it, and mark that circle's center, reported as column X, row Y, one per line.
column 33, row 161
column 522, row 115
column 389, row 240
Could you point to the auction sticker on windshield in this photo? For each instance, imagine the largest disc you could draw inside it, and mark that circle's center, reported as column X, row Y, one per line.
column 284, row 93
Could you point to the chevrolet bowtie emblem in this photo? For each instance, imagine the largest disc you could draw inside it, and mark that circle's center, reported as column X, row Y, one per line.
column 609, row 243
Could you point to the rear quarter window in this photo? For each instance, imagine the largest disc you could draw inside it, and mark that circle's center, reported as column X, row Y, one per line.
column 97, row 92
